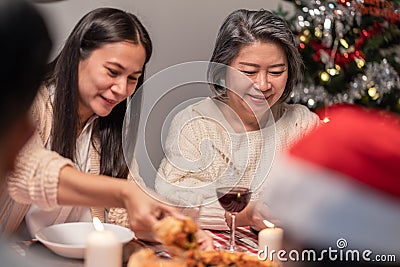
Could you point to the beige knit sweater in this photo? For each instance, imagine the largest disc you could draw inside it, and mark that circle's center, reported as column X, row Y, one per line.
column 198, row 156
column 35, row 179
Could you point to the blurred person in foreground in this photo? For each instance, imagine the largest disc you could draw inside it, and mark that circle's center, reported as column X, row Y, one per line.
column 338, row 188
column 25, row 46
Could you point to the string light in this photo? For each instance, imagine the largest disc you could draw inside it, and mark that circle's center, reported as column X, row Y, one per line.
column 344, row 43
column 359, row 62
column 336, row 41
column 324, row 76
column 373, row 93
column 332, row 71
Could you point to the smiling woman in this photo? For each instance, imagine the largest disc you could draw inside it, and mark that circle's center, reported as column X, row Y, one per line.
column 254, row 67
column 79, row 113
column 264, row 63
column 107, row 77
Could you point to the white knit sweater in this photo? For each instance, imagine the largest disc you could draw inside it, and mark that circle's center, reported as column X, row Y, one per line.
column 202, row 151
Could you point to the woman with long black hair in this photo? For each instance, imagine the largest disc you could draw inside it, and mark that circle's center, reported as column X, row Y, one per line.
column 77, row 146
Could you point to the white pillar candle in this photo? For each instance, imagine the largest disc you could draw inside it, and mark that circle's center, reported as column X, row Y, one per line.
column 270, row 239
column 103, row 249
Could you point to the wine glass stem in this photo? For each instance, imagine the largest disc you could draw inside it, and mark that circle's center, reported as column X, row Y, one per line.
column 232, row 243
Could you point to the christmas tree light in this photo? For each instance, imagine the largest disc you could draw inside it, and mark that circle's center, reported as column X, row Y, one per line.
column 351, row 52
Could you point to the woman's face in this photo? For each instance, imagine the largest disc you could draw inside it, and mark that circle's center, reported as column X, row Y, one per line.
column 261, row 78
column 108, row 76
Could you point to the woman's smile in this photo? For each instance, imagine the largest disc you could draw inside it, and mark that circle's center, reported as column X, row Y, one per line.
column 109, row 101
column 257, row 99
column 108, row 76
column 256, row 80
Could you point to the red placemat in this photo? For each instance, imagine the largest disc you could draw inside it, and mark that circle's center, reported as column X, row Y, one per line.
column 244, row 239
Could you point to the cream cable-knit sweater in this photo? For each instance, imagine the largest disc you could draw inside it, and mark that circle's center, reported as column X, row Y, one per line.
column 189, row 173
column 35, row 179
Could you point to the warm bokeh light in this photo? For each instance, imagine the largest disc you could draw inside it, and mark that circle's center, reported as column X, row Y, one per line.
column 344, row 43
column 373, row 93
column 360, row 62
column 324, row 76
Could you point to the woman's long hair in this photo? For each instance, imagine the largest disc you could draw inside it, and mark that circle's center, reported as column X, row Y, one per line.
column 97, row 28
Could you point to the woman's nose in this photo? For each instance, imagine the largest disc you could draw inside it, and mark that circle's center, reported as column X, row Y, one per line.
column 262, row 82
column 120, row 87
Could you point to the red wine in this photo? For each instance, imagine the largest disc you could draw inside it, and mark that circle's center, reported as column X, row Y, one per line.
column 233, row 199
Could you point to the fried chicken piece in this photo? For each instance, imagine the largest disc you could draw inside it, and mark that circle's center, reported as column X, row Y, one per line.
column 179, row 236
column 177, row 233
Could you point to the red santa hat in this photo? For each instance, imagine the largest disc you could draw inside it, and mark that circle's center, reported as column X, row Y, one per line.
column 341, row 183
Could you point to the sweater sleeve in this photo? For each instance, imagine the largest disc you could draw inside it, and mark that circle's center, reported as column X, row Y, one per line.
column 185, row 176
column 297, row 122
column 305, row 121
column 309, row 119
column 35, row 176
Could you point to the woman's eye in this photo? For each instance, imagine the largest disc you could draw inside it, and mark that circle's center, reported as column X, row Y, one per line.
column 132, row 78
column 276, row 73
column 112, row 72
column 249, row 73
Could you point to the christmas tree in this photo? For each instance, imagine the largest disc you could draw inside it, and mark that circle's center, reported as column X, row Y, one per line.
column 350, row 50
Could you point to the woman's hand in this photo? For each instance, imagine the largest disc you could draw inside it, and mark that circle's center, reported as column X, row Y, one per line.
column 204, row 240
column 145, row 208
column 76, row 188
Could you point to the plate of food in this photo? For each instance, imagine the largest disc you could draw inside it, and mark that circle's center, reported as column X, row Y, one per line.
column 69, row 239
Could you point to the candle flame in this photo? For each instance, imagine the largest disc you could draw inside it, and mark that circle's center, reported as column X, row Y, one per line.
column 269, row 224
column 97, row 224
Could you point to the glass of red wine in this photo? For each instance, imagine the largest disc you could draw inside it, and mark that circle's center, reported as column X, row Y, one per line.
column 233, row 200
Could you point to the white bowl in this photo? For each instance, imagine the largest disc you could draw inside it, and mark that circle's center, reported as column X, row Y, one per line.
column 68, row 239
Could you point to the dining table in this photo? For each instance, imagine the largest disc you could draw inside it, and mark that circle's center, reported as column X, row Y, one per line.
column 245, row 238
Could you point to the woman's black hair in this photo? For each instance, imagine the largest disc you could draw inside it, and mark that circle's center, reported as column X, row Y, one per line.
column 97, row 28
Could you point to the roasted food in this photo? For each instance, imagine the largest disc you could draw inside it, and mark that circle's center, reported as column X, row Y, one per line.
column 177, row 233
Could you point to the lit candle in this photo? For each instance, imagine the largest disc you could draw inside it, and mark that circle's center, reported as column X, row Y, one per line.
column 270, row 238
column 102, row 248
